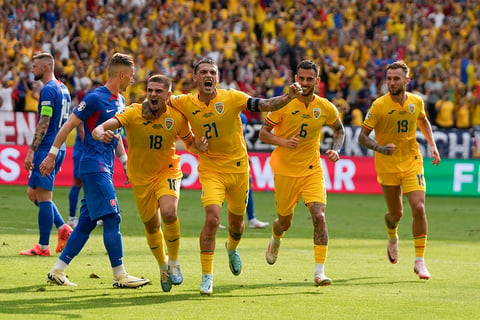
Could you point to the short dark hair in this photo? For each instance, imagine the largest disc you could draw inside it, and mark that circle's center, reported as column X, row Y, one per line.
column 203, row 60
column 160, row 78
column 308, row 64
column 120, row 59
column 399, row 64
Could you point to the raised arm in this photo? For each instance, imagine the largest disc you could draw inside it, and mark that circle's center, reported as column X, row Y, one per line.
column 274, row 103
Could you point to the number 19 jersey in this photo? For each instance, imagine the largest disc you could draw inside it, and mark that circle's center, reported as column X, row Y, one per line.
column 397, row 124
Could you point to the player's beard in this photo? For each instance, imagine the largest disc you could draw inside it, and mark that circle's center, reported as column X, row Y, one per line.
column 396, row 92
column 308, row 92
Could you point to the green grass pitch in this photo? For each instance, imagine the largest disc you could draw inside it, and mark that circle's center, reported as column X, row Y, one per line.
column 365, row 284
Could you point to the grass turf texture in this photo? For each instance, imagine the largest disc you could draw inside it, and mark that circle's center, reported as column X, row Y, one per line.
column 365, row 284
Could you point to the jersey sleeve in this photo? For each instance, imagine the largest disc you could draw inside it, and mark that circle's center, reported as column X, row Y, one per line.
column 274, row 117
column 176, row 102
column 422, row 114
column 86, row 107
column 124, row 116
column 371, row 118
column 240, row 99
column 47, row 101
column 332, row 114
column 185, row 131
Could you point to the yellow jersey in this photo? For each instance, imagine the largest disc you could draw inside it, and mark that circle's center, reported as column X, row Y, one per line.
column 396, row 124
column 296, row 118
column 220, row 123
column 151, row 143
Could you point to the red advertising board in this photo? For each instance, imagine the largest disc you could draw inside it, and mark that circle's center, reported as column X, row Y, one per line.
column 348, row 175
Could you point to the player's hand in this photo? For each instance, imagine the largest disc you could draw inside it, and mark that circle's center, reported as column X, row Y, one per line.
column 28, row 163
column 333, row 155
column 201, row 144
column 126, row 175
column 436, row 156
column 292, row 143
column 47, row 164
column 108, row 136
column 388, row 150
column 294, row 90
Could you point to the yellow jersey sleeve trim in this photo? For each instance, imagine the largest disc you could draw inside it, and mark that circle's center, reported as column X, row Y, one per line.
column 367, row 127
column 270, row 122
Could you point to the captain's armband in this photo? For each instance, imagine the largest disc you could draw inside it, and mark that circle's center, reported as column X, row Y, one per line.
column 252, row 104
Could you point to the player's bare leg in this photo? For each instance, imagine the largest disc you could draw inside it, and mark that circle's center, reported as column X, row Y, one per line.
column 393, row 199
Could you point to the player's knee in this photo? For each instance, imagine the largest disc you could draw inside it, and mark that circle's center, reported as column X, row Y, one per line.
column 212, row 222
column 285, row 225
column 31, row 195
column 111, row 221
column 152, row 229
column 418, row 209
column 170, row 216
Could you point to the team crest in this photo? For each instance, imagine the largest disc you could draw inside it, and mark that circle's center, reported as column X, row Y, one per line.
column 169, row 123
column 219, row 107
column 316, row 113
column 81, row 106
column 113, row 202
column 411, row 108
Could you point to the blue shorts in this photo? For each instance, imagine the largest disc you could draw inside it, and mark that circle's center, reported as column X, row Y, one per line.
column 35, row 178
column 77, row 154
column 99, row 197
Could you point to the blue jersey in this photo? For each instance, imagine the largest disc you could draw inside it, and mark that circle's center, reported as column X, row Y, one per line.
column 97, row 107
column 55, row 102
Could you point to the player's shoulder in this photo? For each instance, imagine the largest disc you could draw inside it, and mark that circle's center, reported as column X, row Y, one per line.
column 414, row 97
column 322, row 101
column 180, row 97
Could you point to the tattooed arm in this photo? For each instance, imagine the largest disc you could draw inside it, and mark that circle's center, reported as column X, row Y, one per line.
column 338, row 138
column 40, row 132
column 275, row 103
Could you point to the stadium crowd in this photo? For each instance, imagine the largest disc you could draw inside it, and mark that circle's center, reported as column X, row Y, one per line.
column 256, row 44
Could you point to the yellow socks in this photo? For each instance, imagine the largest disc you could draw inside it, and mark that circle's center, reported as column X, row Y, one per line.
column 155, row 242
column 206, row 259
column 320, row 253
column 392, row 233
column 171, row 232
column 420, row 244
column 232, row 244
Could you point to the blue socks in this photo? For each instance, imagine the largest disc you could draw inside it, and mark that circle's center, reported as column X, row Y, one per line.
column 112, row 238
column 250, row 213
column 45, row 221
column 73, row 200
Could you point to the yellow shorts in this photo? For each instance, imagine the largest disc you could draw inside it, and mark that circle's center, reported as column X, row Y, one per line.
column 217, row 186
column 288, row 191
column 410, row 180
column 147, row 195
